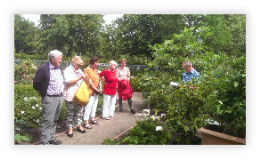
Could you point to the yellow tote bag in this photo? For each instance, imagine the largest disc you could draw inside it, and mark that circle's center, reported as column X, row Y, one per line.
column 82, row 95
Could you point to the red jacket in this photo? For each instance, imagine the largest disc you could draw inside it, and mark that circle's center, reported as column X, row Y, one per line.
column 110, row 81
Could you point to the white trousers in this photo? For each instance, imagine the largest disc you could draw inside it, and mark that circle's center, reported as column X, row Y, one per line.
column 109, row 102
column 91, row 107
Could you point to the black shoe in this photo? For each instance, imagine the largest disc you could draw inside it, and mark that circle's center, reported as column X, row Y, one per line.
column 43, row 143
column 70, row 135
column 55, row 142
column 133, row 111
column 82, row 131
column 121, row 109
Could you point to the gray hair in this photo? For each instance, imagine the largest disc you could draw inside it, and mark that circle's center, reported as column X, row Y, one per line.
column 112, row 62
column 54, row 54
column 187, row 63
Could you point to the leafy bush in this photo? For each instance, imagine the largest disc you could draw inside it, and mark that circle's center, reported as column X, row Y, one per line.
column 27, row 107
column 18, row 138
column 135, row 84
column 144, row 133
column 24, row 73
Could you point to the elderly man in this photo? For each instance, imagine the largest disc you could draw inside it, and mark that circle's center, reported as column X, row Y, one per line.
column 189, row 74
column 48, row 82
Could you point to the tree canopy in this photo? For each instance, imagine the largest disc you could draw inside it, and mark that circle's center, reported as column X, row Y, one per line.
column 130, row 35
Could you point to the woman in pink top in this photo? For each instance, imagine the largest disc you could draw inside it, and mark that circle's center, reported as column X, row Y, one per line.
column 109, row 95
column 124, row 89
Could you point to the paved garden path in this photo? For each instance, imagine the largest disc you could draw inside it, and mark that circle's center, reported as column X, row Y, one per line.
column 106, row 128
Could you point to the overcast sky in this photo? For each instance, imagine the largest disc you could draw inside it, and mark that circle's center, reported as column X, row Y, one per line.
column 36, row 17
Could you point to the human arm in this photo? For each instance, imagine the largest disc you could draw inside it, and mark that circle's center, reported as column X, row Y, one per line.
column 38, row 80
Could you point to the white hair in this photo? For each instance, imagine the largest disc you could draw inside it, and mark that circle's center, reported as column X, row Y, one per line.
column 54, row 54
column 112, row 62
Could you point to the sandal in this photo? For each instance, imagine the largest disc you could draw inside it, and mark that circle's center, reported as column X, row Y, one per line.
column 107, row 118
column 93, row 122
column 70, row 135
column 82, row 131
column 88, row 126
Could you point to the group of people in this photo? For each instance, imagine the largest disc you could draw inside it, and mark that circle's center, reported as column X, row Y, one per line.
column 55, row 85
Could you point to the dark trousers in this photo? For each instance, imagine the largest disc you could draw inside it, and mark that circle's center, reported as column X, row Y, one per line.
column 129, row 103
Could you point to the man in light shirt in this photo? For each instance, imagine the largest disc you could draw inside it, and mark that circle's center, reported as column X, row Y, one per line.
column 48, row 82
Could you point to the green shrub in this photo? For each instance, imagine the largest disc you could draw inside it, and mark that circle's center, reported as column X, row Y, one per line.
column 134, row 83
column 27, row 107
column 145, row 133
column 63, row 112
column 24, row 73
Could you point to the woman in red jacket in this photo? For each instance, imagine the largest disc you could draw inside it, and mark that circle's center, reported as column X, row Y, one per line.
column 109, row 95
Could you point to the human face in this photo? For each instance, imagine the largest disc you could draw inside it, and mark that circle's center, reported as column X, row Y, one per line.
column 123, row 64
column 56, row 62
column 186, row 68
column 95, row 65
column 112, row 67
column 76, row 66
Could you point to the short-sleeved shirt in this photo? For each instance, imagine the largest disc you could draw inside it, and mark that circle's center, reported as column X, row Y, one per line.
column 69, row 90
column 186, row 77
column 122, row 73
column 93, row 75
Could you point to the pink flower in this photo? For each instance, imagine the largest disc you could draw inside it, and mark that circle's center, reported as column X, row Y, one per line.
column 22, row 79
column 32, row 81
column 14, row 81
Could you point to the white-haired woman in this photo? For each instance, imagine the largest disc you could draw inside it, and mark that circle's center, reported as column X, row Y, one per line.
column 73, row 78
column 109, row 95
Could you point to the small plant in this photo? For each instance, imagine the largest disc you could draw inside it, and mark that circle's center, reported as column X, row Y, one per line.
column 147, row 132
column 19, row 138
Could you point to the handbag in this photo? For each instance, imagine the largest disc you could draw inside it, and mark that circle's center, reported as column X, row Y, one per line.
column 82, row 95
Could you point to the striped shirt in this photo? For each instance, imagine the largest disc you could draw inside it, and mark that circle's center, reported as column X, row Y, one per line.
column 55, row 86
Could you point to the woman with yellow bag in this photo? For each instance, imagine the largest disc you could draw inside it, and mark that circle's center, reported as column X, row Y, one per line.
column 73, row 78
column 95, row 89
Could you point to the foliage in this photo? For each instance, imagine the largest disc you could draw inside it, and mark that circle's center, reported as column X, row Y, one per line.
column 25, row 56
column 63, row 112
column 70, row 33
column 24, row 73
column 27, row 109
column 144, row 133
column 138, row 31
column 24, row 32
column 109, row 142
column 18, row 138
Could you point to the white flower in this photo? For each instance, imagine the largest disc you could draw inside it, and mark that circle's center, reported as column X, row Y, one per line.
column 22, row 112
column 153, row 117
column 36, row 105
column 163, row 115
column 33, row 107
column 17, row 129
column 158, row 128
column 37, row 121
column 33, row 97
column 25, row 98
column 40, row 108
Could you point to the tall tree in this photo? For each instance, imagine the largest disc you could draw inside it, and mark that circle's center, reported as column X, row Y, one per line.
column 138, row 31
column 70, row 33
column 24, row 32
